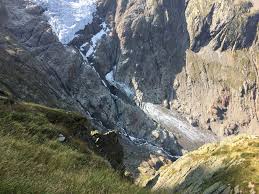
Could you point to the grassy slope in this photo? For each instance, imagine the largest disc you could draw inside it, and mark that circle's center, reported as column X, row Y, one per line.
column 33, row 161
column 233, row 163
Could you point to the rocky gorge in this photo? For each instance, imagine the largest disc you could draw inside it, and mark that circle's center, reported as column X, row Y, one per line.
column 167, row 76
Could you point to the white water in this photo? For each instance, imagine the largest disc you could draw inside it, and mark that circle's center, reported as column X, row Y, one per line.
column 67, row 17
column 121, row 86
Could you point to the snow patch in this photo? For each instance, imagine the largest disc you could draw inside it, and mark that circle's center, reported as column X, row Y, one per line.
column 95, row 39
column 67, row 17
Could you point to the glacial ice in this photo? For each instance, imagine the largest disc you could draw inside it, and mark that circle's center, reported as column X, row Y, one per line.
column 121, row 86
column 177, row 124
column 95, row 39
column 67, row 17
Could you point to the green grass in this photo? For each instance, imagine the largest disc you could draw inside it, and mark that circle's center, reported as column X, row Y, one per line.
column 231, row 163
column 240, row 165
column 33, row 161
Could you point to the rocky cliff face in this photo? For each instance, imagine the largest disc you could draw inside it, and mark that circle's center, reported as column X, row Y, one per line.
column 199, row 58
column 36, row 67
column 219, row 84
column 139, row 67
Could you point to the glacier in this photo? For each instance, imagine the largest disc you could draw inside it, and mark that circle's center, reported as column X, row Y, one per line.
column 94, row 40
column 67, row 17
column 188, row 136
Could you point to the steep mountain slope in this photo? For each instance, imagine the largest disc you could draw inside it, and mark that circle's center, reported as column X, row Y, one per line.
column 228, row 167
column 55, row 151
column 169, row 76
column 200, row 58
column 46, row 150
column 219, row 85
column 36, row 67
column 73, row 79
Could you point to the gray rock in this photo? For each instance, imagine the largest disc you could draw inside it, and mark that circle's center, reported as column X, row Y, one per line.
column 176, row 53
column 38, row 68
column 3, row 14
column 61, row 138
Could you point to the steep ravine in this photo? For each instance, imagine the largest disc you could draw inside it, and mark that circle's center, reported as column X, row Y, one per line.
column 36, row 67
column 169, row 76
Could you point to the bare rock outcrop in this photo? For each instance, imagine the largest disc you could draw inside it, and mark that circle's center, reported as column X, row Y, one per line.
column 36, row 67
column 184, row 55
column 194, row 57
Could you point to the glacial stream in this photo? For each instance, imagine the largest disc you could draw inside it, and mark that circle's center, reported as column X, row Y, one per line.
column 68, row 17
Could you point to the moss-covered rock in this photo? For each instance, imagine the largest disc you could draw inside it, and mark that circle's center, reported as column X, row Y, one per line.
column 227, row 167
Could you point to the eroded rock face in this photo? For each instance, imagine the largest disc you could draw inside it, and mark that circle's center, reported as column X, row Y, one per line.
column 36, row 67
column 220, row 89
column 152, row 44
column 199, row 58
column 219, row 85
column 184, row 55
column 221, row 24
